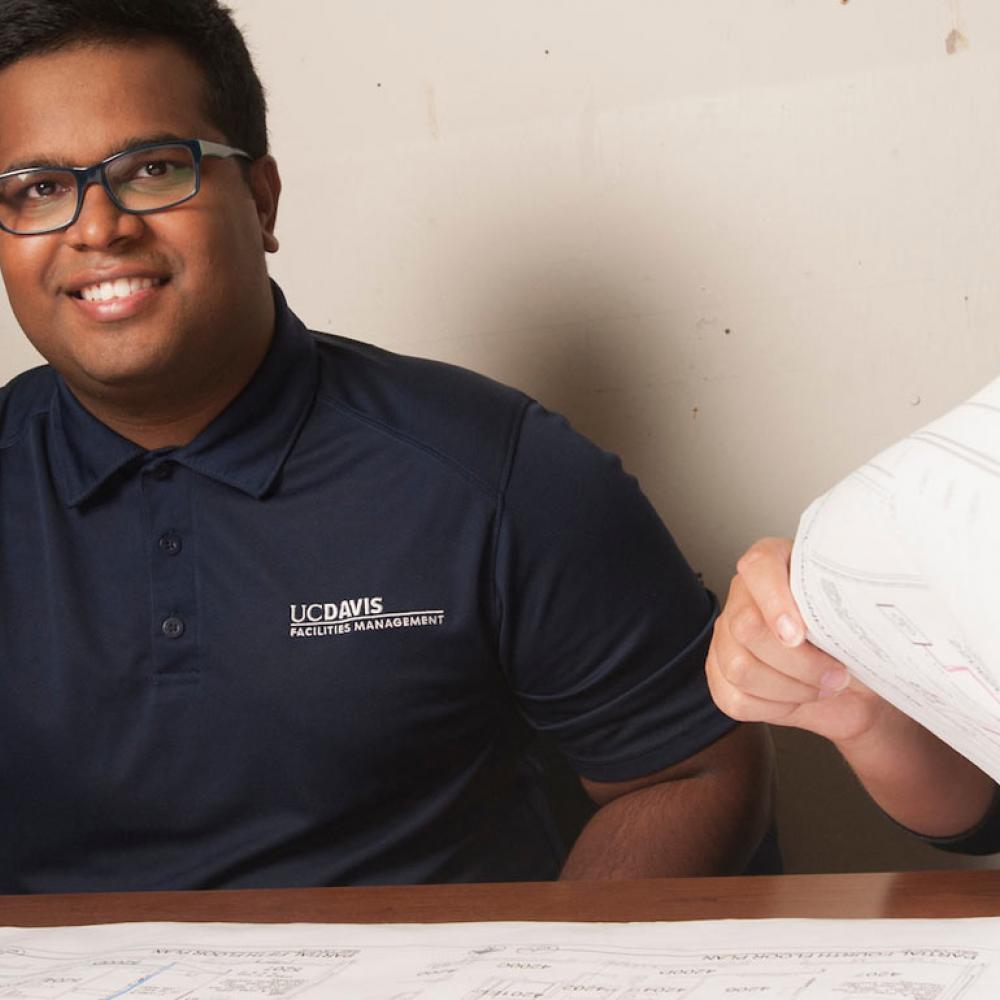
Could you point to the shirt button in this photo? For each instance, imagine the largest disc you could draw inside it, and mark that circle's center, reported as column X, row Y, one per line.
column 162, row 471
column 172, row 627
column 170, row 543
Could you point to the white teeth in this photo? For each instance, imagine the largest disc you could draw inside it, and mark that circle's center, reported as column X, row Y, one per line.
column 121, row 288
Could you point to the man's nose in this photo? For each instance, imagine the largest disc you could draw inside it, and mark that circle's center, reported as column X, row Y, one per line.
column 101, row 223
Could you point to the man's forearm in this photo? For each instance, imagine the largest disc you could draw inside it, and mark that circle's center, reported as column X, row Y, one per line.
column 708, row 822
column 918, row 780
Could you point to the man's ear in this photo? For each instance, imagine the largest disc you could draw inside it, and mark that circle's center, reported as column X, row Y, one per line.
column 265, row 185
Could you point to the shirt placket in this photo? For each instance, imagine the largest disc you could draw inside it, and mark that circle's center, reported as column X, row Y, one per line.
column 170, row 544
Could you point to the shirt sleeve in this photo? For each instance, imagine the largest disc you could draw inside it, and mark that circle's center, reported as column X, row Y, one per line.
column 603, row 626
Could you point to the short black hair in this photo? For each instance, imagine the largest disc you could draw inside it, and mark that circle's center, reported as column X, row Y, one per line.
column 204, row 29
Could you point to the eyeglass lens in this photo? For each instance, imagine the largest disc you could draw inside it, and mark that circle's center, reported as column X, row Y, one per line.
column 142, row 181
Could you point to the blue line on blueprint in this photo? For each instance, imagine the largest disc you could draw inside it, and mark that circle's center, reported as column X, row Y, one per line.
column 139, row 982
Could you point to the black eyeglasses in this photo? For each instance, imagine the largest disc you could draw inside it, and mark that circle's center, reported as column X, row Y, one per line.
column 143, row 179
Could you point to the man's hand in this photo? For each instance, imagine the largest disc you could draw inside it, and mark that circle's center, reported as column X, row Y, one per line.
column 760, row 668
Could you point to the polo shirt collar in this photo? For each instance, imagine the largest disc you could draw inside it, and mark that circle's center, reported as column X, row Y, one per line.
column 244, row 447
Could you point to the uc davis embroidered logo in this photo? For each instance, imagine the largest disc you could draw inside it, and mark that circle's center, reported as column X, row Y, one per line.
column 359, row 614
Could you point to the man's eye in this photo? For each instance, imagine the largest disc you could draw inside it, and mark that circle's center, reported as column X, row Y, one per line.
column 41, row 190
column 155, row 168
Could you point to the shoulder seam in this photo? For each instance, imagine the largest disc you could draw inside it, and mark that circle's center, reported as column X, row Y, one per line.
column 489, row 490
column 505, row 474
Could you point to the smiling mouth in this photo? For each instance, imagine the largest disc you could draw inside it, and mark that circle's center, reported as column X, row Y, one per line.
column 120, row 288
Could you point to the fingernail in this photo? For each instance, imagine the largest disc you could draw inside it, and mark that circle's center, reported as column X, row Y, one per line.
column 788, row 630
column 833, row 682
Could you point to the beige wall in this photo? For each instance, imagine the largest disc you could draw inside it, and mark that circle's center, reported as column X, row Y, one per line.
column 744, row 243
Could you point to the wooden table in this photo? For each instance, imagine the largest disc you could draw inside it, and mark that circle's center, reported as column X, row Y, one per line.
column 910, row 894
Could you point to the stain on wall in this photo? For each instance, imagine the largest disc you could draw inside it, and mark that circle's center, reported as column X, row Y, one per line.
column 958, row 38
column 433, row 126
column 955, row 42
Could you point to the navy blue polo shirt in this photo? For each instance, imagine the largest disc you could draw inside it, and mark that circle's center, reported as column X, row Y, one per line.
column 311, row 646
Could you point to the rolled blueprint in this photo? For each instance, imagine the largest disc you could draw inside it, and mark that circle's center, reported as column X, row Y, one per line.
column 896, row 571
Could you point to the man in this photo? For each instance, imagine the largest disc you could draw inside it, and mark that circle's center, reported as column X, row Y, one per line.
column 281, row 608
column 760, row 668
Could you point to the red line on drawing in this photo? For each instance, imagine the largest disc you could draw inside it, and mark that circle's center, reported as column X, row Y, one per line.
column 973, row 675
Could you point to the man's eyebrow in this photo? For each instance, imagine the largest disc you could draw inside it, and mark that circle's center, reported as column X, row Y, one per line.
column 58, row 162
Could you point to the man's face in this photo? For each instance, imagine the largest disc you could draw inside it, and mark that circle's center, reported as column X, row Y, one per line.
column 205, row 258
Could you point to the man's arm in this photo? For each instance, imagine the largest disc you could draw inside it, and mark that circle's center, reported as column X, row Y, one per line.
column 760, row 668
column 703, row 816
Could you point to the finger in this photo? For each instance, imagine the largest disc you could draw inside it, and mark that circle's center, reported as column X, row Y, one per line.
column 739, row 704
column 764, row 570
column 743, row 640
column 741, row 669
